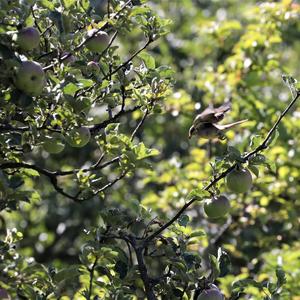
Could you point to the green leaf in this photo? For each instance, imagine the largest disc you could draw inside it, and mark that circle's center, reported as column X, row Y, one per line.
column 255, row 141
column 139, row 10
column 271, row 165
column 148, row 60
column 70, row 89
column 112, row 128
column 189, row 259
column 273, row 138
column 246, row 282
column 254, row 170
column 66, row 273
column 68, row 3
column 215, row 268
column 281, row 278
column 198, row 193
column 47, row 4
column 197, row 233
column 258, row 159
column 121, row 268
column 183, row 220
column 141, row 151
column 224, row 262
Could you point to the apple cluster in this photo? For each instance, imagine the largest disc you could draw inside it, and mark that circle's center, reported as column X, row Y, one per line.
column 30, row 76
column 238, row 180
column 30, row 79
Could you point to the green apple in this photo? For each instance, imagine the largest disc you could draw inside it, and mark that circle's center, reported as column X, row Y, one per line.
column 239, row 180
column 53, row 143
column 30, row 78
column 97, row 42
column 211, row 294
column 100, row 6
column 93, row 67
column 28, row 38
column 217, row 207
column 78, row 137
column 67, row 58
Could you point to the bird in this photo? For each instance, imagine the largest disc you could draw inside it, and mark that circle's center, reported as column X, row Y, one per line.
column 206, row 126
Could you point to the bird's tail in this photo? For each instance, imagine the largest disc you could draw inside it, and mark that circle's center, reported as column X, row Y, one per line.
column 228, row 126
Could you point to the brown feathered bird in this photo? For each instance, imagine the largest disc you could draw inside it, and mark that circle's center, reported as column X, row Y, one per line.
column 205, row 124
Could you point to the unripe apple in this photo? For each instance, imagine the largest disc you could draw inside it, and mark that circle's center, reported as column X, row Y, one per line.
column 211, row 294
column 97, row 42
column 78, row 137
column 93, row 67
column 53, row 143
column 28, row 38
column 30, row 78
column 100, row 6
column 68, row 58
column 217, row 207
column 239, row 180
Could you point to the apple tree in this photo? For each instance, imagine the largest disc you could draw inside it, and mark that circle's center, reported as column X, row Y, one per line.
column 102, row 194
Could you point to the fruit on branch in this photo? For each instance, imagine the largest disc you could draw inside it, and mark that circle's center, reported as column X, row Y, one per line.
column 93, row 67
column 78, row 137
column 28, row 38
column 30, row 78
column 99, row 6
column 217, row 207
column 67, row 58
column 211, row 294
column 97, row 42
column 53, row 143
column 239, row 180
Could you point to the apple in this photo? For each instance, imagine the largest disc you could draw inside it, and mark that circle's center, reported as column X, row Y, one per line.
column 239, row 180
column 217, row 207
column 30, row 78
column 93, row 67
column 28, row 38
column 53, row 143
column 211, row 294
column 97, row 42
column 100, row 6
column 78, row 137
column 68, row 58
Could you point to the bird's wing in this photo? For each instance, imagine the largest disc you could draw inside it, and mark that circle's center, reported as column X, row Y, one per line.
column 228, row 126
column 212, row 115
column 206, row 116
column 223, row 108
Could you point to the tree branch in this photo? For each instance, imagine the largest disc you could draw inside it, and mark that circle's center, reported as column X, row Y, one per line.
column 261, row 147
column 95, row 128
column 91, row 271
column 144, row 273
column 140, row 124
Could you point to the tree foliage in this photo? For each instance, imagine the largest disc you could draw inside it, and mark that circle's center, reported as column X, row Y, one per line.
column 102, row 193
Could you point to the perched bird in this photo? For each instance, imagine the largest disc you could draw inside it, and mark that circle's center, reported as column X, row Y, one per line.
column 205, row 124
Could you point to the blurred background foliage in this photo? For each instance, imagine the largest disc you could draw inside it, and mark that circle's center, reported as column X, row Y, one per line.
column 217, row 51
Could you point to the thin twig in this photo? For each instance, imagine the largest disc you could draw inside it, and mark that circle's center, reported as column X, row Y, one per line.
column 95, row 128
column 91, row 271
column 111, row 183
column 140, row 124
